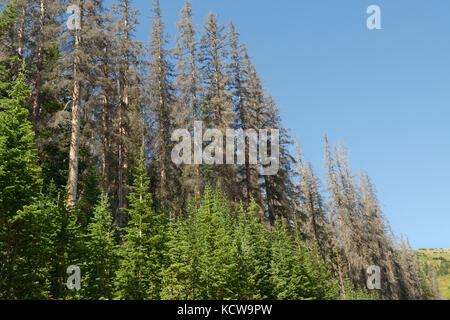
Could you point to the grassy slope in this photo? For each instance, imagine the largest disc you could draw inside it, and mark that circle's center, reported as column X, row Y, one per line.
column 440, row 258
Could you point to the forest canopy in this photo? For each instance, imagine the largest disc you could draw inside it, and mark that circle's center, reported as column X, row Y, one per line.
column 87, row 114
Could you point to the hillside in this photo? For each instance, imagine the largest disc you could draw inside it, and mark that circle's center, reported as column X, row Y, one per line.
column 162, row 170
column 440, row 259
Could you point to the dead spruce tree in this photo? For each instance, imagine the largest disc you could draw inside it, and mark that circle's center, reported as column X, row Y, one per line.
column 217, row 105
column 278, row 188
column 160, row 89
column 189, row 90
column 82, row 45
column 345, row 214
column 127, row 104
column 43, row 30
column 311, row 209
column 248, row 99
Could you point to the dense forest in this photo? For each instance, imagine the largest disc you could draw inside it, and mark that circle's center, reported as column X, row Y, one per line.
column 87, row 114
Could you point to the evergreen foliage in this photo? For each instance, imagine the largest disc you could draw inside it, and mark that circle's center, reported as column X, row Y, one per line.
column 79, row 109
column 102, row 255
column 143, row 246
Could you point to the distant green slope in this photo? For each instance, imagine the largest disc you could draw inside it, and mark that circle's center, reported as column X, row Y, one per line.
column 440, row 259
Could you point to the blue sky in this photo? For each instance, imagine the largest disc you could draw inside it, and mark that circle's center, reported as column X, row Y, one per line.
column 384, row 93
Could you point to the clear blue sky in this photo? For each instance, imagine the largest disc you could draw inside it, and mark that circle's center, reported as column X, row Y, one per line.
column 385, row 93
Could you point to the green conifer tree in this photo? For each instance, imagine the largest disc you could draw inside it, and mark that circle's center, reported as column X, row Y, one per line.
column 19, row 182
column 203, row 257
column 296, row 274
column 102, row 258
column 254, row 254
column 180, row 278
column 143, row 251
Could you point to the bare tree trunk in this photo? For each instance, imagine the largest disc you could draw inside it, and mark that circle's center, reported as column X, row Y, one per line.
column 123, row 132
column 123, row 166
column 163, row 127
column 197, row 191
column 163, row 158
column 21, row 34
column 38, row 80
column 269, row 200
column 75, row 133
column 125, row 156
column 105, row 144
column 120, row 189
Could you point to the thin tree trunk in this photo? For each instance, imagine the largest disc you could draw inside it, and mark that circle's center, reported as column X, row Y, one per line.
column 195, row 114
column 75, row 133
column 124, row 108
column 38, row 81
column 163, row 156
column 269, row 200
column 105, row 144
column 21, row 34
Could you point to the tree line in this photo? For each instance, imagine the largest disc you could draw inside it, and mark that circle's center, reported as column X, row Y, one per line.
column 86, row 176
